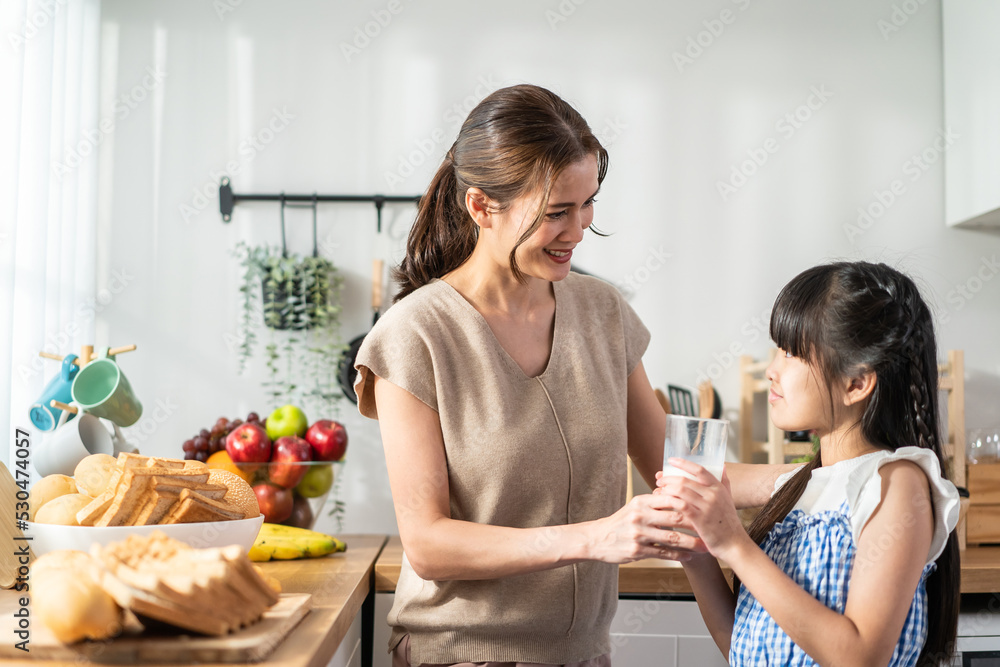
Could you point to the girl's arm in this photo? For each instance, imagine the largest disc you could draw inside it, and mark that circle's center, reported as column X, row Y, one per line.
column 752, row 483
column 716, row 600
column 440, row 548
column 890, row 558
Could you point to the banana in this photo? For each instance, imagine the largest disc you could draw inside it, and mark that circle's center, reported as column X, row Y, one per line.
column 263, row 552
column 276, row 542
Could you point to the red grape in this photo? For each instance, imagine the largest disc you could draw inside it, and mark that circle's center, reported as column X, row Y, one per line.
column 208, row 441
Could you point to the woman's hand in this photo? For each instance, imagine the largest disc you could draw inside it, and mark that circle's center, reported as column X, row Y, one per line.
column 637, row 531
column 706, row 504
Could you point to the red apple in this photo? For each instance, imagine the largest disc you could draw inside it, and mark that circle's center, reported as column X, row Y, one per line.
column 302, row 515
column 288, row 459
column 248, row 443
column 275, row 502
column 328, row 439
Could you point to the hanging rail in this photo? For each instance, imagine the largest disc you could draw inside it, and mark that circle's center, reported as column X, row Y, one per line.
column 228, row 199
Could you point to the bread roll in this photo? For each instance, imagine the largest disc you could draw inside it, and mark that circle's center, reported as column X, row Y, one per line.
column 67, row 598
column 62, row 510
column 93, row 472
column 239, row 494
column 46, row 489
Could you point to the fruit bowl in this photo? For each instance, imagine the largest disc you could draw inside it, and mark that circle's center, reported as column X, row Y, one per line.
column 46, row 537
column 289, row 493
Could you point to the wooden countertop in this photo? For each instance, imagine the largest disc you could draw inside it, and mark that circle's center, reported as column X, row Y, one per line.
column 980, row 572
column 338, row 584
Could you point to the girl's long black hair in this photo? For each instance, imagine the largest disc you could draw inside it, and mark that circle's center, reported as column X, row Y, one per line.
column 850, row 317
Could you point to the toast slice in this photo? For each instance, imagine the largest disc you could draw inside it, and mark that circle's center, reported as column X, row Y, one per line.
column 133, row 487
column 155, row 607
column 207, row 489
column 129, row 494
column 193, row 507
column 95, row 509
column 159, row 462
column 156, row 507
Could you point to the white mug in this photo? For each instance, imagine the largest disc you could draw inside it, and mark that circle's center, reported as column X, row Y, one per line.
column 71, row 442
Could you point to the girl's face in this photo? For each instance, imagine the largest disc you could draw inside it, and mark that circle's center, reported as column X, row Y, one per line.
column 800, row 400
column 547, row 252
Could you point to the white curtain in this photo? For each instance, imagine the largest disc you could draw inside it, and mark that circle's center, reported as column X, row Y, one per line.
column 49, row 135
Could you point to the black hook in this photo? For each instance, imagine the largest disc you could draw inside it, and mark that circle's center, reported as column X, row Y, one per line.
column 379, row 202
column 284, row 247
column 315, row 248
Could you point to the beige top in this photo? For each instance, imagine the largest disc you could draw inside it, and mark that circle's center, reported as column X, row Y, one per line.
column 523, row 452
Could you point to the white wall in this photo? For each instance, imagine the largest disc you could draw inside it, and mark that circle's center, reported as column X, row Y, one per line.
column 674, row 132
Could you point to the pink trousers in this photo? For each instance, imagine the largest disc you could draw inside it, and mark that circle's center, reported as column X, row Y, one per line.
column 401, row 658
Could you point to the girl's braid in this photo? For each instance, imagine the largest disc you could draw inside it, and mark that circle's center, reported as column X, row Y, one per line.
column 914, row 345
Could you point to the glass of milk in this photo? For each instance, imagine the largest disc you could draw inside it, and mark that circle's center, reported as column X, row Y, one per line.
column 701, row 441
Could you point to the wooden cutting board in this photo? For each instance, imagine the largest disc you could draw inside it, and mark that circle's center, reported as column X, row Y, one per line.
column 10, row 534
column 251, row 644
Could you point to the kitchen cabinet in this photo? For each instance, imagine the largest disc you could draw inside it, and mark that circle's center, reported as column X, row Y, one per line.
column 670, row 633
column 349, row 653
column 667, row 633
column 658, row 623
column 971, row 53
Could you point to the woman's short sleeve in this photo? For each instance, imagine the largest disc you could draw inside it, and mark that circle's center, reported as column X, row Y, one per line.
column 395, row 351
column 636, row 335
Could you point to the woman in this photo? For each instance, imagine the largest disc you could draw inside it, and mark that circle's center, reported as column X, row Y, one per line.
column 508, row 391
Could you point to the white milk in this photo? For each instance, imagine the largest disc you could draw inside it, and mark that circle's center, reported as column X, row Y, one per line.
column 712, row 466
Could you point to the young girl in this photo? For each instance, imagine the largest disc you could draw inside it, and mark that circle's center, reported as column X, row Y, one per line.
column 857, row 563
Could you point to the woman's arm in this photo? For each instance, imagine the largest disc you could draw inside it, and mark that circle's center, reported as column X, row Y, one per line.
column 439, row 547
column 888, row 564
column 647, row 426
column 753, row 483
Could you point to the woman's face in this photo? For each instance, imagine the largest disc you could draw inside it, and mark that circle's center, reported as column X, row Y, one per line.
column 547, row 252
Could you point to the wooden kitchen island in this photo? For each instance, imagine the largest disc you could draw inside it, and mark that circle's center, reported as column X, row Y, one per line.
column 658, row 623
column 339, row 584
column 980, row 573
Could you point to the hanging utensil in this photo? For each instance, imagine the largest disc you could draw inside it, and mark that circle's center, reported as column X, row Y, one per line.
column 347, row 373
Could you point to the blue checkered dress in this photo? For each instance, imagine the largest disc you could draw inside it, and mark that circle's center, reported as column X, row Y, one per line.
column 817, row 551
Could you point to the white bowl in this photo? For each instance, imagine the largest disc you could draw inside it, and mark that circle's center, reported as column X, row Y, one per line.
column 46, row 537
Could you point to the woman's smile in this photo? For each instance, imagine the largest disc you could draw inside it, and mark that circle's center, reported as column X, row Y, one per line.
column 559, row 256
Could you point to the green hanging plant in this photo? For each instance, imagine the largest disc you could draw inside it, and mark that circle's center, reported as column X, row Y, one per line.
column 297, row 299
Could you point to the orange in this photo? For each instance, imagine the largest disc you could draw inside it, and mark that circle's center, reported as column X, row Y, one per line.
column 221, row 461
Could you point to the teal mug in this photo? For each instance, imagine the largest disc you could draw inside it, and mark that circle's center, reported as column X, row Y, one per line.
column 101, row 389
column 60, row 388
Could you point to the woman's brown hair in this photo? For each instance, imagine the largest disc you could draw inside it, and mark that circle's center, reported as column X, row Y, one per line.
column 851, row 317
column 515, row 142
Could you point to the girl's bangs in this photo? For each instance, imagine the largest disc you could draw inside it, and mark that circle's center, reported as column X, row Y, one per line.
column 797, row 318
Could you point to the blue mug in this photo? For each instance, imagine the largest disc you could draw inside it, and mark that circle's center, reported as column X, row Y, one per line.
column 60, row 388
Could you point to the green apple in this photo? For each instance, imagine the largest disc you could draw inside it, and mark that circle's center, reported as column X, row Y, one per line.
column 286, row 420
column 316, row 482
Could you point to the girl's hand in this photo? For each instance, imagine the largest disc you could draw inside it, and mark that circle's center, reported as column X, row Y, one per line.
column 637, row 531
column 705, row 503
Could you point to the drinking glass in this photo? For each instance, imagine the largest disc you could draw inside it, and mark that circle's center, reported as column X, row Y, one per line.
column 701, row 441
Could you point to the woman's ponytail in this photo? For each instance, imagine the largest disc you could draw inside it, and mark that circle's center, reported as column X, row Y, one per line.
column 442, row 237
